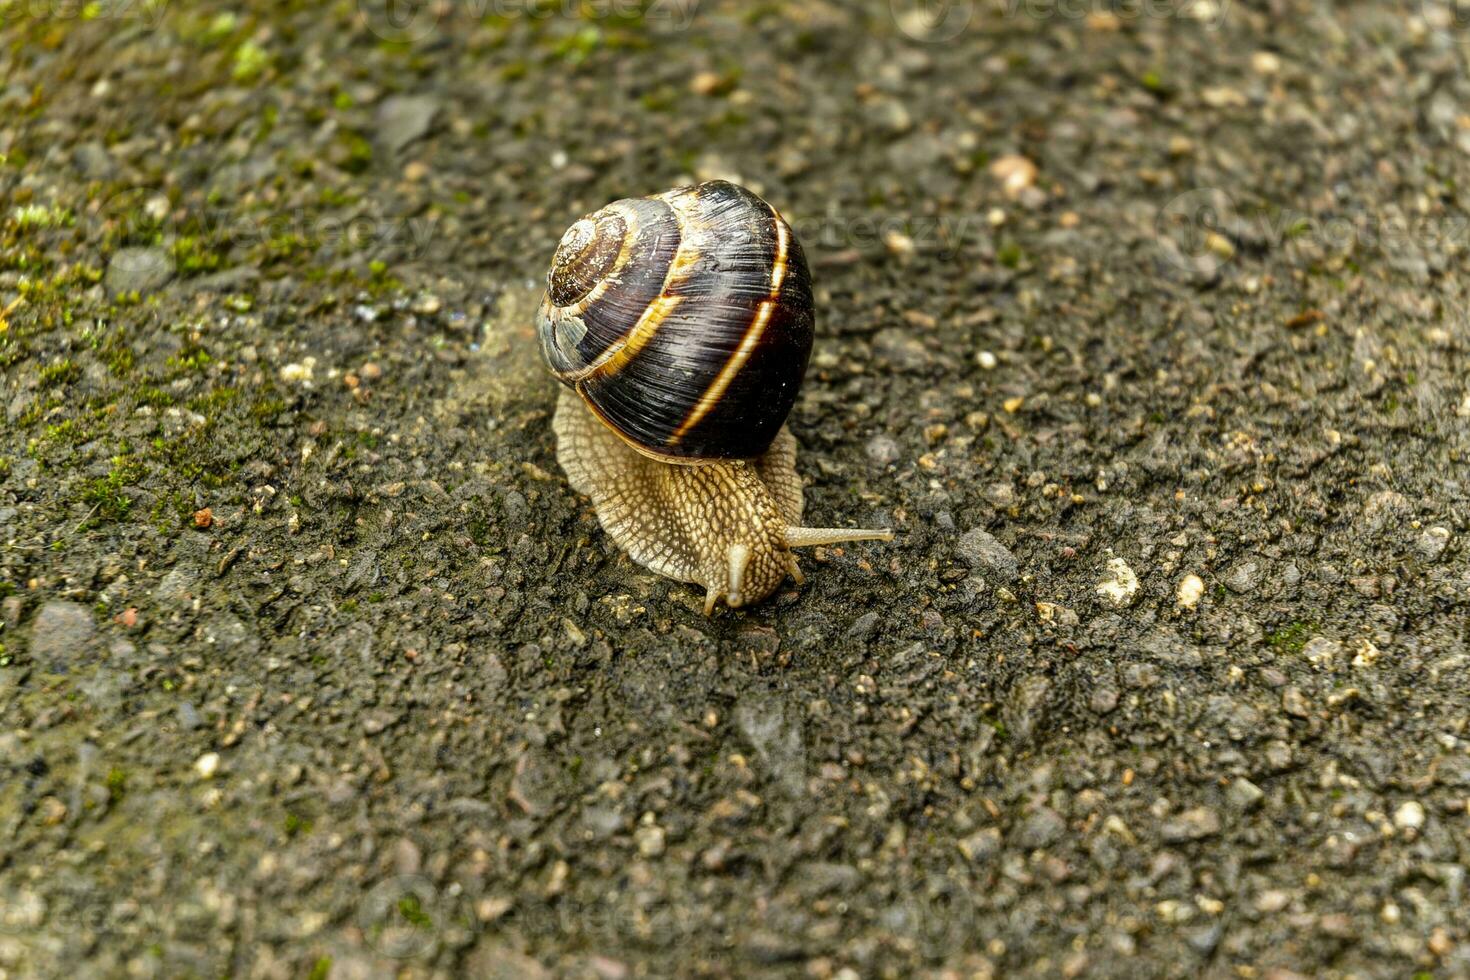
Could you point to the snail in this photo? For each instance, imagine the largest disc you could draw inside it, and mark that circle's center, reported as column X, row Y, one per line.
column 680, row 326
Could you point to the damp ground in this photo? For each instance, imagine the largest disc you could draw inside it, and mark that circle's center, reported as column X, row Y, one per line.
column 1145, row 329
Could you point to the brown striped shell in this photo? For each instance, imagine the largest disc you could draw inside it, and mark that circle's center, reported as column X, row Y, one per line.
column 683, row 320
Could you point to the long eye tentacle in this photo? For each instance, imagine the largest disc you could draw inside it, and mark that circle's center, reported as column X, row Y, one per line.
column 806, row 537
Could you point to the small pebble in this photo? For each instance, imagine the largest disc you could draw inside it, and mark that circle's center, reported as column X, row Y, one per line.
column 1273, row 900
column 300, row 373
column 1193, row 824
column 981, row 550
column 1015, row 173
column 1244, row 577
column 1243, row 794
column 138, row 270
column 883, row 449
column 898, row 243
column 708, row 83
column 1191, row 590
column 1321, row 652
column 650, row 840
column 207, row 765
column 1432, row 542
column 403, row 119
column 1041, row 829
column 1119, row 584
column 1409, row 816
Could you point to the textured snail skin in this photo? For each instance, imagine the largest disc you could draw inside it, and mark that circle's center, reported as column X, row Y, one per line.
column 682, row 521
column 680, row 326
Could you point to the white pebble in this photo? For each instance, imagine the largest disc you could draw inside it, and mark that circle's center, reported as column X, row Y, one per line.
column 299, row 373
column 986, row 360
column 1191, row 590
column 207, row 765
column 1410, row 816
column 1015, row 172
column 1119, row 585
column 1367, row 654
column 898, row 243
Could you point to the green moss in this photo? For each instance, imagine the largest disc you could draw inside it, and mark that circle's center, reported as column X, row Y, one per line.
column 413, row 912
column 265, row 410
column 215, row 401
column 31, row 217
column 1009, row 255
column 1292, row 637
column 61, row 373
column 171, row 511
column 251, row 61
column 577, row 48
column 321, row 969
column 219, row 29
column 354, row 152
column 154, row 397
column 117, row 782
column 189, row 360
column 333, row 197
column 192, row 256
column 105, row 494
column 68, row 432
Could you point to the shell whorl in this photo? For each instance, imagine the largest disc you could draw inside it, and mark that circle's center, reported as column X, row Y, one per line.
column 683, row 320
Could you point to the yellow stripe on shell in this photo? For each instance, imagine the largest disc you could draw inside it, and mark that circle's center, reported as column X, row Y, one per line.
column 748, row 342
column 627, row 348
column 621, row 351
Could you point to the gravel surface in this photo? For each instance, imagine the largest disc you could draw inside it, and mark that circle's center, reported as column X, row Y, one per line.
column 1144, row 326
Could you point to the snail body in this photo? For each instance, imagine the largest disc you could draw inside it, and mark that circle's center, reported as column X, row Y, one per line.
column 681, row 325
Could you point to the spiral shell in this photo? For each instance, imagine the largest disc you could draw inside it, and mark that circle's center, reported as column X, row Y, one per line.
column 683, row 320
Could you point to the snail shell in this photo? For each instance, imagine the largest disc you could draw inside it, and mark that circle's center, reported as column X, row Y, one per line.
column 683, row 320
column 681, row 325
